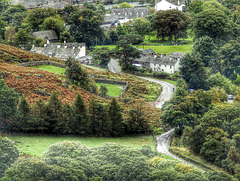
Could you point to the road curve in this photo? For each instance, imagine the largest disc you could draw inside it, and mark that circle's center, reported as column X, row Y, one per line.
column 113, row 66
column 163, row 141
column 167, row 91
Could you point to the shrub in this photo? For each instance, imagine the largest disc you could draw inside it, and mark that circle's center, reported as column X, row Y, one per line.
column 161, row 75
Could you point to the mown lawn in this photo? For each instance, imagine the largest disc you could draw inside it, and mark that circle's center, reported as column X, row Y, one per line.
column 36, row 145
column 113, row 89
column 161, row 49
column 51, row 68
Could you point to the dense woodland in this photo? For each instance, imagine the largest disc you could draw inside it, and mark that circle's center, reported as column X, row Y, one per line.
column 205, row 122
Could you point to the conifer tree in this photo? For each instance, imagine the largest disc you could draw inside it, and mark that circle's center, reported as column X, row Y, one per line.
column 98, row 119
column 25, row 115
column 8, row 105
column 67, row 117
column 80, row 122
column 40, row 116
column 115, row 118
column 55, row 113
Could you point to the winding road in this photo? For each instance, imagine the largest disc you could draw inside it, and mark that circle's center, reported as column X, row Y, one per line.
column 163, row 141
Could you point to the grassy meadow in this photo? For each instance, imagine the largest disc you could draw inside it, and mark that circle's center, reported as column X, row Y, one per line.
column 113, row 89
column 165, row 49
column 36, row 145
column 51, row 68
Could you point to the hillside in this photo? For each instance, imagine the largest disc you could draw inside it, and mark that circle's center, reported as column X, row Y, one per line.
column 17, row 55
column 35, row 84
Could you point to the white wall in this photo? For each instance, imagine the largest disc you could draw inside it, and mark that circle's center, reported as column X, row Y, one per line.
column 164, row 5
column 82, row 52
column 163, row 68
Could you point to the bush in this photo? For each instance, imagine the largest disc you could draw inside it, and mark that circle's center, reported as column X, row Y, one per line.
column 161, row 75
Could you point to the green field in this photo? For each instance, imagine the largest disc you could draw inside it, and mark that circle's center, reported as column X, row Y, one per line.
column 113, row 89
column 161, row 49
column 36, row 145
column 51, row 68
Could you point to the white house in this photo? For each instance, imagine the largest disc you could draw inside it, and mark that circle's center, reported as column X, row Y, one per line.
column 165, row 5
column 62, row 50
column 169, row 64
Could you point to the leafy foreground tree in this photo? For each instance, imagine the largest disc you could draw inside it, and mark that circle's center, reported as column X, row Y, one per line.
column 73, row 161
column 8, row 154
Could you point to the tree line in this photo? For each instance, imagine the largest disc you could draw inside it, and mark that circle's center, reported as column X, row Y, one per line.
column 53, row 117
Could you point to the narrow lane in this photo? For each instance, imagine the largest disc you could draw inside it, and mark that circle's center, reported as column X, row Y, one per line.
column 164, row 140
column 167, row 92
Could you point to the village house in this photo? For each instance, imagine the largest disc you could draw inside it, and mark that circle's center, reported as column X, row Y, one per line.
column 62, row 50
column 48, row 35
column 130, row 13
column 165, row 5
column 161, row 63
column 120, row 16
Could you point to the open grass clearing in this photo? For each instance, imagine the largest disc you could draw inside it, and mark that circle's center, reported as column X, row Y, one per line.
column 114, row 90
column 36, row 145
column 51, row 68
column 165, row 49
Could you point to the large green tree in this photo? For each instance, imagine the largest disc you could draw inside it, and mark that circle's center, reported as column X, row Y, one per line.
column 36, row 17
column 14, row 14
column 219, row 27
column 53, row 23
column 193, row 72
column 230, row 57
column 142, row 26
column 205, row 49
column 125, row 52
column 171, row 23
column 85, row 27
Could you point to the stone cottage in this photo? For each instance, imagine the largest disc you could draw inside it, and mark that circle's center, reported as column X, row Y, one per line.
column 169, row 63
column 130, row 13
column 62, row 50
column 48, row 35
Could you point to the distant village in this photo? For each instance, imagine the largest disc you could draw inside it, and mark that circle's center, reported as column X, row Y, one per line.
column 149, row 59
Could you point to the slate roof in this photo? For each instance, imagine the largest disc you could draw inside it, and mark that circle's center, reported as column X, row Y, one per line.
column 166, row 60
column 47, row 34
column 148, row 51
column 60, row 50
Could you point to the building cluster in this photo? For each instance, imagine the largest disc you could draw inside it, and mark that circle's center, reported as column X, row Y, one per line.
column 159, row 63
column 123, row 15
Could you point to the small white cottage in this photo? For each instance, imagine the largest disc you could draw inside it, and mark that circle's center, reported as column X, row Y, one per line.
column 165, row 5
column 169, row 64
